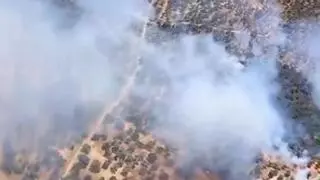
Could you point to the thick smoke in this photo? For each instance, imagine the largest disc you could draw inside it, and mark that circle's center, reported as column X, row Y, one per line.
column 310, row 48
column 59, row 68
column 218, row 109
column 61, row 64
column 221, row 114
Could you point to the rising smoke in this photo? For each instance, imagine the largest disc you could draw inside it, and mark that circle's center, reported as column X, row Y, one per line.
column 58, row 70
column 222, row 114
column 219, row 110
column 54, row 76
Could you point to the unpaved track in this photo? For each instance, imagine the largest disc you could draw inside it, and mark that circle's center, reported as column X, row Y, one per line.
column 124, row 93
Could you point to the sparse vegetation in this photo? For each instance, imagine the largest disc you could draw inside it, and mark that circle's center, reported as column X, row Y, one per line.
column 123, row 153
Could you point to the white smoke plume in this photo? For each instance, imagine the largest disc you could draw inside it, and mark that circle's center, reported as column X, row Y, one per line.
column 217, row 108
column 58, row 70
column 221, row 114
column 310, row 48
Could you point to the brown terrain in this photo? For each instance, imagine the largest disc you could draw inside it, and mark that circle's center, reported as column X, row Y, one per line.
column 125, row 150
